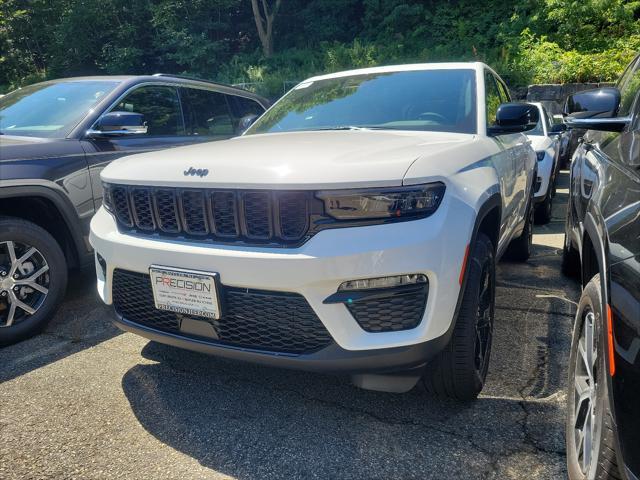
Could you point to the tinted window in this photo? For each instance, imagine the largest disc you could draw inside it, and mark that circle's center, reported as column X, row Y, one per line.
column 246, row 106
column 160, row 107
column 629, row 86
column 437, row 100
column 493, row 99
column 50, row 110
column 206, row 113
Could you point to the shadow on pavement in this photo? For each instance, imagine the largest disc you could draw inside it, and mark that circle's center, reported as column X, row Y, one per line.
column 81, row 322
column 254, row 422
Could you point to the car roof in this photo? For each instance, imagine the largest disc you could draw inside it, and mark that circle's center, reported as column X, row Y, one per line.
column 129, row 80
column 403, row 68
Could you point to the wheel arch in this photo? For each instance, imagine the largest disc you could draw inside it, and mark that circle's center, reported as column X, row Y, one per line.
column 50, row 210
column 593, row 255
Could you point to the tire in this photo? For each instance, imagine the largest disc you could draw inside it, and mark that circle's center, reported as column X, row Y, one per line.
column 460, row 370
column 543, row 211
column 521, row 247
column 601, row 462
column 24, row 236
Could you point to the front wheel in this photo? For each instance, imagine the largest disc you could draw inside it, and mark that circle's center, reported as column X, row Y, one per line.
column 589, row 427
column 33, row 279
column 460, row 370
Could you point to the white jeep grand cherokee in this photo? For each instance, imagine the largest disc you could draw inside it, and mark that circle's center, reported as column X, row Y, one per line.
column 354, row 228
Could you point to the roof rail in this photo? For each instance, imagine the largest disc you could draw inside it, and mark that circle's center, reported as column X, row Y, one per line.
column 189, row 77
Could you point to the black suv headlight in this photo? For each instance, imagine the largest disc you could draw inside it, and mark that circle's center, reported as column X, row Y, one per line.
column 381, row 203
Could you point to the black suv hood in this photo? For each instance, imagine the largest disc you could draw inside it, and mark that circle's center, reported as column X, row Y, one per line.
column 26, row 148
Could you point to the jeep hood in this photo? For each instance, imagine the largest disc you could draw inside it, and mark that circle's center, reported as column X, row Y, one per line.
column 293, row 160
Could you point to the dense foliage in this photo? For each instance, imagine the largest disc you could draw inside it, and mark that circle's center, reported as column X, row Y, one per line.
column 527, row 41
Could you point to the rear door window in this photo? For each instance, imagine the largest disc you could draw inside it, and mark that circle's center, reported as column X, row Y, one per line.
column 207, row 113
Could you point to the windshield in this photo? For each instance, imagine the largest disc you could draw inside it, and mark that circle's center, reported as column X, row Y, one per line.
column 539, row 130
column 430, row 100
column 50, row 110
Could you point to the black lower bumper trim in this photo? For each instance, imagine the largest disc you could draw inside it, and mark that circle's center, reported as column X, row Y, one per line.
column 331, row 359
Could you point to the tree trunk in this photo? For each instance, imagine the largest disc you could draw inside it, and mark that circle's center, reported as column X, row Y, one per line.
column 264, row 23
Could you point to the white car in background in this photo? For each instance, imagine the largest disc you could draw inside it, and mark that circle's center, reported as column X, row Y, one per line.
column 545, row 140
column 354, row 228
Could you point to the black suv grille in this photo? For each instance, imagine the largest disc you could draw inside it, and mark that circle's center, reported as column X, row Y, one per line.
column 247, row 216
column 255, row 319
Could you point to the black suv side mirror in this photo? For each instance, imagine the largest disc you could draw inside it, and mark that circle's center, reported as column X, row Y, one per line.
column 595, row 110
column 514, row 118
column 118, row 124
column 599, row 102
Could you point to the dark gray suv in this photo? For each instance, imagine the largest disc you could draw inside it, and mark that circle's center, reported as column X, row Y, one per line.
column 55, row 138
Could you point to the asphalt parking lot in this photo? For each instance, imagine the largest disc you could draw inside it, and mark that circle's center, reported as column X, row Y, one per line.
column 84, row 400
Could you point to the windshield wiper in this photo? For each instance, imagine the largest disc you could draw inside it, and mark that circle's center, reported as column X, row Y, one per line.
column 354, row 127
column 340, row 127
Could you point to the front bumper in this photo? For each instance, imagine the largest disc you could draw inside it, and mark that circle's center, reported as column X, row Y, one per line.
column 331, row 359
column 314, row 270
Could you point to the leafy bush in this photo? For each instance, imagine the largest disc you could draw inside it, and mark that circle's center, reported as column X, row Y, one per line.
column 526, row 41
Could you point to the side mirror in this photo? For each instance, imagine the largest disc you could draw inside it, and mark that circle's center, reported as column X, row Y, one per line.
column 245, row 122
column 595, row 110
column 597, row 103
column 558, row 128
column 118, row 124
column 514, row 118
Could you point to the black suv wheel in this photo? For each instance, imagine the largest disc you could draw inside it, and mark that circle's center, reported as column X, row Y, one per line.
column 460, row 370
column 33, row 279
column 589, row 429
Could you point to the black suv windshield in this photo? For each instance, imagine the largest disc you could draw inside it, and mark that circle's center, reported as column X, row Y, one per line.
column 434, row 100
column 50, row 110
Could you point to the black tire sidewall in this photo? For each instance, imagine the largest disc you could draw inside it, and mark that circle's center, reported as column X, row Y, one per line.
column 22, row 231
column 465, row 333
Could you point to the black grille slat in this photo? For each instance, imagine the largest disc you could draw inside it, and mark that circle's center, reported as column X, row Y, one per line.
column 167, row 210
column 257, row 217
column 225, row 214
column 120, row 197
column 255, row 319
column 390, row 314
column 293, row 216
column 194, row 212
column 257, row 214
column 142, row 208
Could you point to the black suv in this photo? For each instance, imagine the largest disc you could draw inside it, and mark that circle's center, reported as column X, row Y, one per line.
column 602, row 247
column 55, row 138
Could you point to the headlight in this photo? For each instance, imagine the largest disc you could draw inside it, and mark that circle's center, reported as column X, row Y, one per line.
column 380, row 203
column 540, row 155
column 107, row 197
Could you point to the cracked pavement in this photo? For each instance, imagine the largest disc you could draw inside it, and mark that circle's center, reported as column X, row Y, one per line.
column 84, row 400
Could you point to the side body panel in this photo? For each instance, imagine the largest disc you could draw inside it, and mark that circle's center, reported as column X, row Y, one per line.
column 55, row 170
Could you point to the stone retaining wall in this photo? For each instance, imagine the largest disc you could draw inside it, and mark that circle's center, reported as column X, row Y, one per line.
column 553, row 95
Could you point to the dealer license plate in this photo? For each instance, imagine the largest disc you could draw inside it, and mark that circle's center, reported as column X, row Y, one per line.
column 190, row 292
